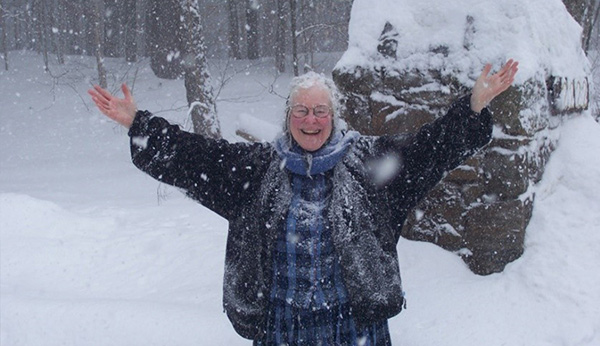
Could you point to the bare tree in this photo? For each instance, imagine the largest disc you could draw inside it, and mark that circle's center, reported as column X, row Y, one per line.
column 280, row 41
column 584, row 12
column 140, row 27
column 3, row 28
column 41, row 25
column 253, row 46
column 308, row 15
column 164, row 38
column 59, row 29
column 75, row 33
column 234, row 30
column 294, row 36
column 130, row 26
column 98, row 22
column 17, row 19
column 197, row 79
column 29, row 28
column 591, row 25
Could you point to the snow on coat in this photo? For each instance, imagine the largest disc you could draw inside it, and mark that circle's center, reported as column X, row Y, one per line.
column 375, row 185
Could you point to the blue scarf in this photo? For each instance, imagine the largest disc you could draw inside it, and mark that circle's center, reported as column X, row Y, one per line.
column 302, row 162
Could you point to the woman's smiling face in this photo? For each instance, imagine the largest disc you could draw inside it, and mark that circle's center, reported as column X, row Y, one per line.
column 310, row 131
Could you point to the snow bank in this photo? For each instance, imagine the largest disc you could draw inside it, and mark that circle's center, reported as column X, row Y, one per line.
column 110, row 277
column 547, row 297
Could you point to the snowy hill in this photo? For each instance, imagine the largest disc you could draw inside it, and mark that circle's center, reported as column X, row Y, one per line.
column 93, row 252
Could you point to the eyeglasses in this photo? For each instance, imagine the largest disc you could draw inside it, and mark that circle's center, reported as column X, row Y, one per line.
column 300, row 111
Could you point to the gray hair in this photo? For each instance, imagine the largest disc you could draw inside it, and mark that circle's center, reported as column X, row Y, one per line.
column 308, row 80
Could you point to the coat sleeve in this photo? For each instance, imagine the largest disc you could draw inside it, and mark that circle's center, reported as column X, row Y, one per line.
column 220, row 175
column 435, row 149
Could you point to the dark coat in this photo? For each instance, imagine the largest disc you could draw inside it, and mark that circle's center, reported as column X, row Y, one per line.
column 247, row 185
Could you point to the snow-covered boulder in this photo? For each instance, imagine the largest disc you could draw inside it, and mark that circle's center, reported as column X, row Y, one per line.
column 406, row 62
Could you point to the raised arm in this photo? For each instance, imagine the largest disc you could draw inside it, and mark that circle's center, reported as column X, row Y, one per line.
column 443, row 144
column 220, row 175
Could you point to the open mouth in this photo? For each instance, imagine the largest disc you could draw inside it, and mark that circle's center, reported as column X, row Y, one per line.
column 311, row 132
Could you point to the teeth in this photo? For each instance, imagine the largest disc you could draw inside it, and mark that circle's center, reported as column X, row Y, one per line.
column 314, row 132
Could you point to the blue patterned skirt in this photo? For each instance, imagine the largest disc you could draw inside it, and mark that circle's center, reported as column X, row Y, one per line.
column 290, row 326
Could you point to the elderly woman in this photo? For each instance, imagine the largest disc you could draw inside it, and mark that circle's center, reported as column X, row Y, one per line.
column 313, row 218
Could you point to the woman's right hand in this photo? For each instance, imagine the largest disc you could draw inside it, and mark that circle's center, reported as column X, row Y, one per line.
column 120, row 110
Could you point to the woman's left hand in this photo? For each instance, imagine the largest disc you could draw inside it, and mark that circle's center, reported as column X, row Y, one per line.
column 488, row 87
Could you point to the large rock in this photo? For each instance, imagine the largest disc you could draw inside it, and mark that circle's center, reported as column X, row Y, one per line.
column 409, row 70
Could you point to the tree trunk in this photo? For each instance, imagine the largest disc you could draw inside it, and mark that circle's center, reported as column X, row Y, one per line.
column 17, row 31
column 60, row 32
column 594, row 21
column 98, row 23
column 89, row 27
column 583, row 11
column 36, row 39
column 234, row 30
column 294, row 40
column 29, row 29
column 3, row 28
column 129, row 7
column 45, row 32
column 111, row 28
column 164, row 39
column 280, row 45
column 197, row 79
column 140, row 27
column 252, row 29
column 308, row 15
column 75, row 28
column 41, row 24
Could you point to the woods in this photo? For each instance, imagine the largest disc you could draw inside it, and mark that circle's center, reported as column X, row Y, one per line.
column 170, row 34
column 133, row 29
column 239, row 29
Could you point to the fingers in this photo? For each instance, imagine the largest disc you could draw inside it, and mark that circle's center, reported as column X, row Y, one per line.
column 488, row 87
column 100, row 101
column 100, row 96
column 94, row 93
column 505, row 68
column 486, row 70
column 126, row 92
column 509, row 69
column 103, row 109
column 514, row 69
column 101, row 106
column 103, row 92
column 508, row 74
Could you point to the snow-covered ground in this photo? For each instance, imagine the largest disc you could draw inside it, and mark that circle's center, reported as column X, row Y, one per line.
column 93, row 252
